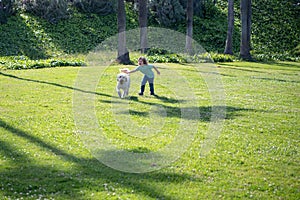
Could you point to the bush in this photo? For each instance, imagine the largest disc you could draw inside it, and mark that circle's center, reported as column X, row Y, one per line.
column 296, row 51
column 7, row 8
column 157, row 55
column 157, row 51
column 222, row 57
column 167, row 58
column 267, row 57
column 23, row 62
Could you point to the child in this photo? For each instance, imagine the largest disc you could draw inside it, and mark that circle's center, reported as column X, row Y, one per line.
column 146, row 69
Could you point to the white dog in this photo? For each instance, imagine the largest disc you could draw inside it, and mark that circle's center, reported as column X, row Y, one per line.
column 123, row 83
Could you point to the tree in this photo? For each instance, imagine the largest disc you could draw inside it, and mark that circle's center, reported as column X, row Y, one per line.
column 7, row 8
column 143, row 21
column 100, row 7
column 189, row 29
column 123, row 54
column 167, row 12
column 228, row 46
column 246, row 29
column 3, row 18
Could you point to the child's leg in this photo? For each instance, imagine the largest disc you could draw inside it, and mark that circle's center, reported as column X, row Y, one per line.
column 144, row 81
column 151, row 85
column 142, row 90
column 151, row 89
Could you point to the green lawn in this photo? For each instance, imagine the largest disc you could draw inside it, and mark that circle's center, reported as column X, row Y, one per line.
column 256, row 155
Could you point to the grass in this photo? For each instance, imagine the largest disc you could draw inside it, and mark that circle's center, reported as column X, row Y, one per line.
column 255, row 157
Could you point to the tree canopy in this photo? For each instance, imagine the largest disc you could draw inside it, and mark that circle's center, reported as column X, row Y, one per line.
column 275, row 25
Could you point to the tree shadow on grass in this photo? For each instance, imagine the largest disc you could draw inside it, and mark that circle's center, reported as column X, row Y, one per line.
column 245, row 69
column 275, row 79
column 285, row 64
column 53, row 84
column 205, row 112
column 25, row 177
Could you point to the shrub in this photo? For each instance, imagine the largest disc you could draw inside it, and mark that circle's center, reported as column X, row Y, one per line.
column 157, row 55
column 23, row 62
column 222, row 57
column 296, row 51
column 157, row 51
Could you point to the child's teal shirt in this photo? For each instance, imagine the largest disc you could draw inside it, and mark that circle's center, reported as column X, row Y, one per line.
column 146, row 69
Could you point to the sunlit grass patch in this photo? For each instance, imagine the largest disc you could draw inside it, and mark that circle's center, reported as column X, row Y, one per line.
column 256, row 155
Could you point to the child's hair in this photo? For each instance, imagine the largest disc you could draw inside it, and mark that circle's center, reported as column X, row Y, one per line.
column 145, row 62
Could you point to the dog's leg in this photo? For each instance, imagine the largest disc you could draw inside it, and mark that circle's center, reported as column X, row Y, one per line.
column 126, row 92
column 119, row 92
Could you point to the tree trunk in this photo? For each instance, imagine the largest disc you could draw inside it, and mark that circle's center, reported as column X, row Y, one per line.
column 246, row 29
column 228, row 46
column 189, row 29
column 123, row 54
column 3, row 18
column 143, row 21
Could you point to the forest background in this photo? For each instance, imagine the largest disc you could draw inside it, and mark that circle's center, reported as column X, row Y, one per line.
column 61, row 32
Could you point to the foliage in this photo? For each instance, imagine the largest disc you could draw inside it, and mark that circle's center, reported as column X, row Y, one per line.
column 102, row 7
column 211, row 33
column 205, row 9
column 22, row 62
column 7, row 9
column 167, row 12
column 81, row 31
column 157, row 55
column 171, row 13
column 266, row 57
column 53, row 11
column 157, row 51
column 166, row 58
column 296, row 51
column 216, row 57
column 30, row 36
column 275, row 26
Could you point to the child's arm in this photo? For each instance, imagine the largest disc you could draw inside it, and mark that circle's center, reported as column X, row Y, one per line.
column 131, row 71
column 127, row 71
column 157, row 71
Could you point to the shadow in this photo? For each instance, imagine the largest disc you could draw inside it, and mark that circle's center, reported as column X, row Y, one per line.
column 227, row 75
column 228, row 66
column 10, row 152
column 25, row 177
column 205, row 112
column 275, row 79
column 285, row 64
column 53, row 84
column 139, row 113
column 140, row 150
column 35, row 140
column 289, row 66
column 167, row 99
